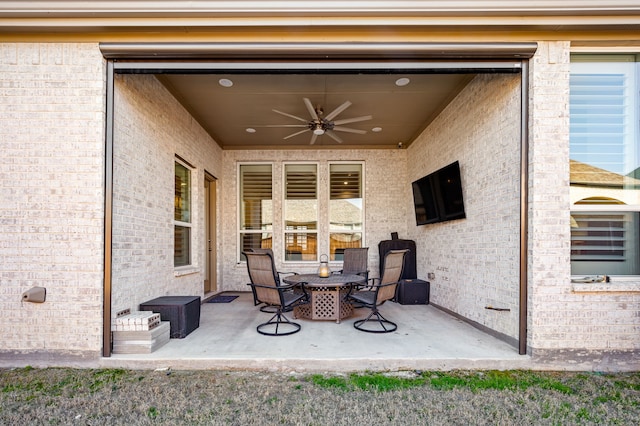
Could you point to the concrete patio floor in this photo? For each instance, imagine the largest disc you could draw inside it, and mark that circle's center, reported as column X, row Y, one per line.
column 426, row 339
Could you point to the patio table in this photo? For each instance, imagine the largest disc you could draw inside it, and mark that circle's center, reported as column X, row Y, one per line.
column 327, row 295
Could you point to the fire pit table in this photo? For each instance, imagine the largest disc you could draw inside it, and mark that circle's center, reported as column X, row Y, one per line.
column 327, row 295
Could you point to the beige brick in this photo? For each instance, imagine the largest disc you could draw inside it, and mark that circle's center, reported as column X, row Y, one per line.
column 51, row 189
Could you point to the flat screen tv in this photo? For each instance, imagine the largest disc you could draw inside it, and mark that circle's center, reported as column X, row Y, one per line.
column 426, row 207
column 438, row 197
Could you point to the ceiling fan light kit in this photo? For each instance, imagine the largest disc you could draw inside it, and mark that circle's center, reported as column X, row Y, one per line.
column 319, row 125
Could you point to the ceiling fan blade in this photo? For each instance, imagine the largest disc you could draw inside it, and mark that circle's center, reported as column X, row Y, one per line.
column 337, row 111
column 313, row 139
column 284, row 125
column 289, row 115
column 350, row 130
column 333, row 136
column 311, row 108
column 296, row 134
column 353, row 120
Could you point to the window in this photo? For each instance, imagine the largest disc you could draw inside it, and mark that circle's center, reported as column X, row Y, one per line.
column 345, row 208
column 182, row 216
column 256, row 206
column 605, row 173
column 301, row 212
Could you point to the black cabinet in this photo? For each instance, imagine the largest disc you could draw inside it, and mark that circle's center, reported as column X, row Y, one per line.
column 182, row 312
column 413, row 292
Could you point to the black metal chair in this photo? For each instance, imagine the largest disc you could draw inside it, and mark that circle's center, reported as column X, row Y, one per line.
column 356, row 261
column 268, row 289
column 379, row 291
column 268, row 308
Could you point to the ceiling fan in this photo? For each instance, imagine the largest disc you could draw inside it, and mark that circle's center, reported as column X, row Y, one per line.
column 323, row 125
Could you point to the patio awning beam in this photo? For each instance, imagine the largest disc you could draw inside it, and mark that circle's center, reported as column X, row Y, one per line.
column 319, row 51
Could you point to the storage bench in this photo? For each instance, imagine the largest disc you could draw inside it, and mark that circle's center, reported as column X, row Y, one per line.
column 413, row 292
column 182, row 312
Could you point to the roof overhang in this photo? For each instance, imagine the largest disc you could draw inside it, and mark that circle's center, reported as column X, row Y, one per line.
column 320, row 51
column 191, row 17
column 203, row 8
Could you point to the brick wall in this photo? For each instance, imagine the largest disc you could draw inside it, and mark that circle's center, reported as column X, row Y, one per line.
column 563, row 316
column 51, row 211
column 150, row 129
column 550, row 300
column 51, row 197
column 475, row 260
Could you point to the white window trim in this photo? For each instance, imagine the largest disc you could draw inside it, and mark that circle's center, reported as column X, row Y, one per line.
column 283, row 203
column 622, row 283
column 605, row 208
column 239, row 231
column 617, row 285
column 180, row 270
column 328, row 200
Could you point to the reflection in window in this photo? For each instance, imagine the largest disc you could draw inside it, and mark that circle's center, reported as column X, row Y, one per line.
column 605, row 177
column 345, row 208
column 256, row 206
column 301, row 212
column 182, row 216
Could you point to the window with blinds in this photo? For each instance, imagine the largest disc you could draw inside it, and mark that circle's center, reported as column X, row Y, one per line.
column 301, row 211
column 599, row 121
column 345, row 208
column 604, row 164
column 256, row 206
column 599, row 236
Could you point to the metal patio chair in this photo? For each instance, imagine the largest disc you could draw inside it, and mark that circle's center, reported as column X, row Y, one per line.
column 379, row 291
column 265, row 307
column 356, row 261
column 268, row 289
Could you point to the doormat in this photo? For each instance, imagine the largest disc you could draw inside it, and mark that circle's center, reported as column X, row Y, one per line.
column 221, row 299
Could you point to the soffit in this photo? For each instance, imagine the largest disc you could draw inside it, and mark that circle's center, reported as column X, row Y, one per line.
column 267, row 77
column 227, row 112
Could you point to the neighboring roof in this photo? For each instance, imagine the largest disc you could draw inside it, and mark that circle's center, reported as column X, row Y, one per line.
column 587, row 175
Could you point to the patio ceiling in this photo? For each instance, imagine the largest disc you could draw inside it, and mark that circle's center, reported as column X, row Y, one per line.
column 400, row 113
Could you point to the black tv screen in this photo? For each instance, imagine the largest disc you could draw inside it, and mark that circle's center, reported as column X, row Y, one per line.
column 424, row 201
column 438, row 196
column 450, row 191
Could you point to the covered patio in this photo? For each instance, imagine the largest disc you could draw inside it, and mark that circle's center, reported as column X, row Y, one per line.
column 427, row 339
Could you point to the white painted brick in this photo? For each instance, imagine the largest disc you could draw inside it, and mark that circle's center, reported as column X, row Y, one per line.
column 475, row 260
column 151, row 127
column 51, row 194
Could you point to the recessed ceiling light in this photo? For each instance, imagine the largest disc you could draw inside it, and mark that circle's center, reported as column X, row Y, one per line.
column 376, row 129
column 225, row 82
column 250, row 130
column 402, row 81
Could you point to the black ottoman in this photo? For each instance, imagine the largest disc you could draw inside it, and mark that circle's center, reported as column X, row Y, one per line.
column 182, row 312
column 413, row 292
